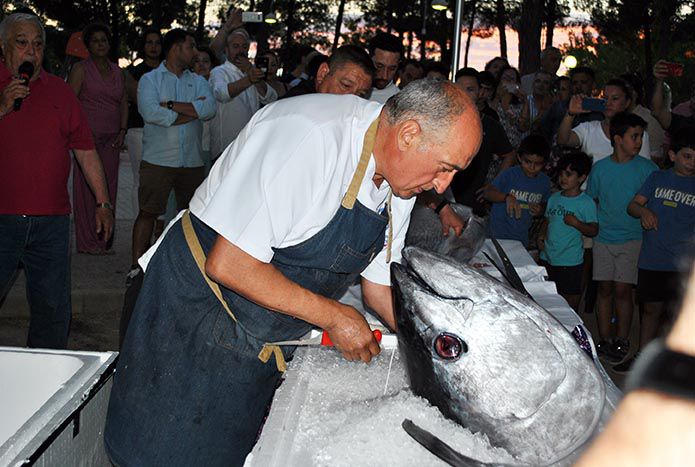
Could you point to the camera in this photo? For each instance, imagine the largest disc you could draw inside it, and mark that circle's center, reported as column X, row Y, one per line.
column 252, row 17
column 262, row 64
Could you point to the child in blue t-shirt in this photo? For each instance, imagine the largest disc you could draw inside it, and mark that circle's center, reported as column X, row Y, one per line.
column 612, row 183
column 520, row 192
column 665, row 206
column 569, row 215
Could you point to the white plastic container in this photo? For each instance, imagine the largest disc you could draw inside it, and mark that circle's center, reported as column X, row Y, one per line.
column 53, row 406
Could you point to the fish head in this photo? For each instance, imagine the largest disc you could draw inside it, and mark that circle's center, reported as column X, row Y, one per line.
column 486, row 356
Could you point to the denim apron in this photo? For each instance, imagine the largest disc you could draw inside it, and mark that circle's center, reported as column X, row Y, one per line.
column 190, row 386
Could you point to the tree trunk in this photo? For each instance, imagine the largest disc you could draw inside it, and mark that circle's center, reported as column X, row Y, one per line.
column 530, row 36
column 471, row 25
column 423, row 32
column 501, row 20
column 114, row 12
column 647, row 25
column 338, row 24
column 200, row 30
column 157, row 15
column 289, row 23
column 389, row 14
column 263, row 31
column 551, row 18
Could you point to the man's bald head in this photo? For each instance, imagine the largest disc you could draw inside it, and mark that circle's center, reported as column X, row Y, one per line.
column 427, row 132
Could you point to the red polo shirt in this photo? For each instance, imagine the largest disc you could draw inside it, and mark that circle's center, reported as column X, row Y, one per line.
column 35, row 144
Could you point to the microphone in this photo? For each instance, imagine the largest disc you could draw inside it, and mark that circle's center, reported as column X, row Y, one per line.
column 25, row 71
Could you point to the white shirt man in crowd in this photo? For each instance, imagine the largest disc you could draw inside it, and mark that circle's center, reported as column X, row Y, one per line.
column 239, row 89
column 550, row 62
column 386, row 51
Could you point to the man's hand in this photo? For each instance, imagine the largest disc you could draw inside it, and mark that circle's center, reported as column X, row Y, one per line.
column 513, row 206
column 104, row 222
column 648, row 219
column 233, row 20
column 352, row 335
column 571, row 220
column 660, row 70
column 451, row 220
column 15, row 90
column 120, row 139
column 480, row 193
column 536, row 209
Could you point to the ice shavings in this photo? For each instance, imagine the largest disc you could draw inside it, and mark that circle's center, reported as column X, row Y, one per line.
column 348, row 419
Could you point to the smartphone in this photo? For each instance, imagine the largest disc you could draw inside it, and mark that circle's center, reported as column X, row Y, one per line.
column 252, row 17
column 262, row 64
column 674, row 69
column 594, row 105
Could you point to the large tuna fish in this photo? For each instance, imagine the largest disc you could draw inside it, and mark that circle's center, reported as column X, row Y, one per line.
column 425, row 231
column 495, row 361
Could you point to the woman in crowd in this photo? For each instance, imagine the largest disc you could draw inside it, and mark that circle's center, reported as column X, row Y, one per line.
column 496, row 66
column 100, row 87
column 272, row 75
column 508, row 103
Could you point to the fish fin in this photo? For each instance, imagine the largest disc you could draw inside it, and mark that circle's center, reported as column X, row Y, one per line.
column 439, row 448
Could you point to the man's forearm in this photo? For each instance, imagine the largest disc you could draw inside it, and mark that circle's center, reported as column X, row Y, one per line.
column 185, row 108
column 93, row 171
column 182, row 119
column 265, row 285
column 237, row 87
column 662, row 115
column 379, row 298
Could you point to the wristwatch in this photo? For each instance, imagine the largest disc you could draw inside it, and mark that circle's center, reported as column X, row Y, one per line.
column 106, row 205
column 664, row 370
column 170, row 105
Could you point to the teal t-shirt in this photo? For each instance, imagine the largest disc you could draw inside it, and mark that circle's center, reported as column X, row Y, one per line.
column 563, row 243
column 614, row 185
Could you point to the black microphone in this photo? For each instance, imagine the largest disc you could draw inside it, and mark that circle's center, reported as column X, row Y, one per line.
column 26, row 70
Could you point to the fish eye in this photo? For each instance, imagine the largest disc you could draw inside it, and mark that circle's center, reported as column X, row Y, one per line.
column 449, row 346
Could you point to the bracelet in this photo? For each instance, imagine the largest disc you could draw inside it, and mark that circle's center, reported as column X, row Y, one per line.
column 106, row 205
column 441, row 206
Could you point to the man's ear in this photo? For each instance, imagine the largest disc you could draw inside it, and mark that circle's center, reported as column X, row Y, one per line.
column 409, row 133
column 672, row 155
column 322, row 72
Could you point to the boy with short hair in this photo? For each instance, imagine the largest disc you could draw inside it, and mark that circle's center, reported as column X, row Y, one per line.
column 665, row 206
column 519, row 193
column 569, row 215
column 612, row 183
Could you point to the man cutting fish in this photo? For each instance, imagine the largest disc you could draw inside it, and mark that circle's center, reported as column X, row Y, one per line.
column 316, row 191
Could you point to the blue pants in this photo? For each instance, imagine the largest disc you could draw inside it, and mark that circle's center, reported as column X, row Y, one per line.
column 42, row 245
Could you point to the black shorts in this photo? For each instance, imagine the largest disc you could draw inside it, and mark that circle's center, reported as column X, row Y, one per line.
column 568, row 279
column 658, row 286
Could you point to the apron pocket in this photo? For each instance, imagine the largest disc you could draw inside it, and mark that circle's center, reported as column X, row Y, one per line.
column 349, row 260
column 227, row 333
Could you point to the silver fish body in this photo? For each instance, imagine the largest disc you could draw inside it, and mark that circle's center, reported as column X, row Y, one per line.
column 425, row 231
column 495, row 361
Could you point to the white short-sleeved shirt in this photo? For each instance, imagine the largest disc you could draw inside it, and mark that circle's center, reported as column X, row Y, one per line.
column 283, row 179
column 594, row 142
column 382, row 95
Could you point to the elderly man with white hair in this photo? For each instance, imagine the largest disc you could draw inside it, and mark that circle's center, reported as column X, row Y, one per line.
column 40, row 121
column 239, row 88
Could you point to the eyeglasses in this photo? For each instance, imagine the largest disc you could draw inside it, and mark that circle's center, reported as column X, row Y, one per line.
column 22, row 44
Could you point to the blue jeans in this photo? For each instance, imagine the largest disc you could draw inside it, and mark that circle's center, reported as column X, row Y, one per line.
column 42, row 245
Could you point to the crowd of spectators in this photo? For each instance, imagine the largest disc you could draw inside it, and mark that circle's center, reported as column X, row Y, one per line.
column 561, row 160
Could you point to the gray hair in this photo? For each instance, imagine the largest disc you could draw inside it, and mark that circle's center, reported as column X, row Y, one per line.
column 433, row 103
column 14, row 18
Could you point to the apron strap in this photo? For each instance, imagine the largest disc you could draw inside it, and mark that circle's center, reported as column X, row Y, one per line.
column 199, row 256
column 354, row 188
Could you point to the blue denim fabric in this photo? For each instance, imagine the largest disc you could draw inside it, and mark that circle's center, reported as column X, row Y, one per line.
column 189, row 388
column 42, row 245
